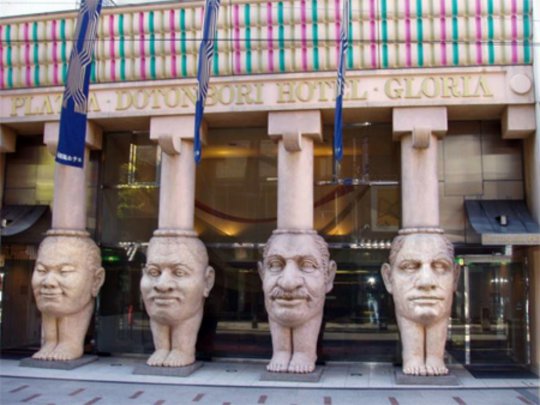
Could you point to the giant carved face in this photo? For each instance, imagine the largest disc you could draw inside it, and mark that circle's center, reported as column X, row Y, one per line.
column 296, row 273
column 421, row 276
column 67, row 275
column 176, row 279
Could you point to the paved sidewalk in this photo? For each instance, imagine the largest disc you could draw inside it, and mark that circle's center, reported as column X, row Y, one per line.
column 110, row 381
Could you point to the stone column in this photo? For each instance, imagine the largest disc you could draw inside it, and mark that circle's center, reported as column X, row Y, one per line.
column 177, row 191
column 176, row 279
column 7, row 145
column 69, row 204
column 422, row 293
column 419, row 130
column 295, row 260
column 65, row 318
column 295, row 132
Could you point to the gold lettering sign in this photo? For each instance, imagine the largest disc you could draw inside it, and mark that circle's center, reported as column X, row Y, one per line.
column 431, row 87
column 301, row 92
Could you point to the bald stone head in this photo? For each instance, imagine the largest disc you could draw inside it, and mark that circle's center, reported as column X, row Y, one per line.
column 67, row 275
column 421, row 276
column 297, row 273
column 176, row 279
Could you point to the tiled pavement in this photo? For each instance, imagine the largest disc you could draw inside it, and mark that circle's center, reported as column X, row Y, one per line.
column 110, row 381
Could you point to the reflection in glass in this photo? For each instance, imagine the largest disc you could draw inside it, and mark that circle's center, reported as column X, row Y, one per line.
column 491, row 325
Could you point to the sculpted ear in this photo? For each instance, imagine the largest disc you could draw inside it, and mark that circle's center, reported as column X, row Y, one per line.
column 260, row 269
column 386, row 270
column 332, row 267
column 97, row 282
column 209, row 280
column 457, row 273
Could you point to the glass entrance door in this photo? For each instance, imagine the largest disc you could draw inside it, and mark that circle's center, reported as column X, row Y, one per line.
column 495, row 327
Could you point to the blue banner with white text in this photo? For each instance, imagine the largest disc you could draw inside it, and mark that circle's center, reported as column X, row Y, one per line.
column 72, row 136
column 206, row 53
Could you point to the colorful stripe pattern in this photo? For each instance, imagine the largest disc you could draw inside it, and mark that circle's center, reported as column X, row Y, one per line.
column 273, row 37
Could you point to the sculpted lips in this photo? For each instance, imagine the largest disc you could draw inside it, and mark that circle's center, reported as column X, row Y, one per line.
column 49, row 295
column 164, row 299
column 426, row 299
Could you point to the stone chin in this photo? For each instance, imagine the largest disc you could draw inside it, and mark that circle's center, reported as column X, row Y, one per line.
column 292, row 313
column 55, row 305
column 423, row 316
column 288, row 314
column 171, row 311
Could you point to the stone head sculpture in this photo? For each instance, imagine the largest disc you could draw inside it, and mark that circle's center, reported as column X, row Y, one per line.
column 296, row 274
column 175, row 282
column 66, row 279
column 422, row 277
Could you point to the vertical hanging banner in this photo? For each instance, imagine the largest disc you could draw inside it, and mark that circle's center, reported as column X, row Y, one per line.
column 72, row 135
column 340, row 88
column 206, row 53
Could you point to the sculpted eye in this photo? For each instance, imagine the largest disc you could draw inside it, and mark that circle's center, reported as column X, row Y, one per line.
column 40, row 268
column 441, row 266
column 67, row 269
column 180, row 272
column 308, row 265
column 152, row 271
column 275, row 264
column 409, row 266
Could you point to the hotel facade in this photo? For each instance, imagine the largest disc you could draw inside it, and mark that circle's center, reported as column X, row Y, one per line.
column 461, row 70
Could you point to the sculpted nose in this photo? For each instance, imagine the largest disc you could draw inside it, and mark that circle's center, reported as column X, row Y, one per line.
column 290, row 278
column 164, row 283
column 426, row 278
column 49, row 280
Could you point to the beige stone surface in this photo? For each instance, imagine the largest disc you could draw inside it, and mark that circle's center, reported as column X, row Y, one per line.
column 422, row 277
column 295, row 132
column 296, row 273
column 420, row 186
column 177, row 191
column 175, row 282
column 66, row 280
column 518, row 122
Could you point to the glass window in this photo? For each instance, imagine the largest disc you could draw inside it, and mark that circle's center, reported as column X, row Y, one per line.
column 236, row 191
column 130, row 195
column 30, row 177
column 490, row 320
column 236, row 204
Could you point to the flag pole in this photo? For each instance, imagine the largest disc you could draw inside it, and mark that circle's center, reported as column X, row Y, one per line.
column 340, row 88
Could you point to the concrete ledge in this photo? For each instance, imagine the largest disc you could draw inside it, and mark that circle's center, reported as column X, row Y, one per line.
column 434, row 380
column 313, row 377
column 186, row 371
column 58, row 365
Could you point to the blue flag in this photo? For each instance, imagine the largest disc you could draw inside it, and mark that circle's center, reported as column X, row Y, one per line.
column 206, row 53
column 75, row 102
column 343, row 46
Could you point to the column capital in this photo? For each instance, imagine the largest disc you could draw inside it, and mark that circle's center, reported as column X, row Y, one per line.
column 8, row 138
column 169, row 131
column 51, row 134
column 518, row 121
column 421, row 122
column 290, row 126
